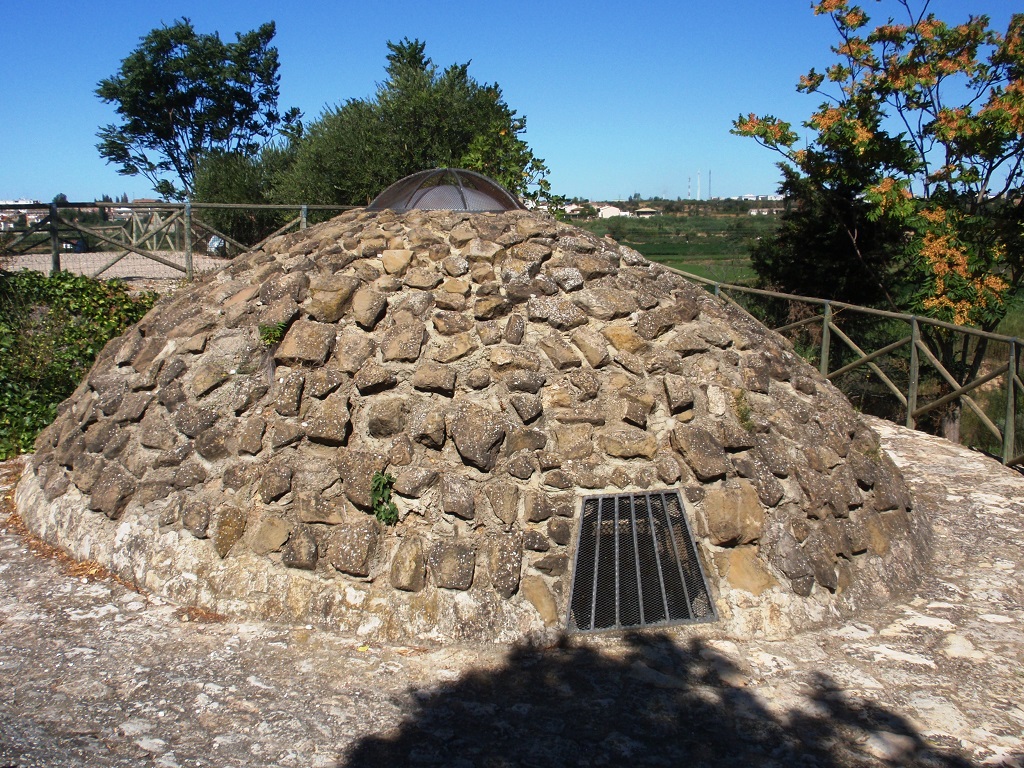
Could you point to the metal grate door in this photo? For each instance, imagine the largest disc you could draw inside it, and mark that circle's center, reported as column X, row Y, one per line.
column 636, row 565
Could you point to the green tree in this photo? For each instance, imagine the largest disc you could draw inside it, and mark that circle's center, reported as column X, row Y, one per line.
column 421, row 117
column 182, row 95
column 231, row 177
column 907, row 182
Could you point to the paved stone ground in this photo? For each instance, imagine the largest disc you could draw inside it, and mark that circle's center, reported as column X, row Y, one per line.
column 94, row 674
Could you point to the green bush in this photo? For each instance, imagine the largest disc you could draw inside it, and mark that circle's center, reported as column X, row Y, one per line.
column 51, row 329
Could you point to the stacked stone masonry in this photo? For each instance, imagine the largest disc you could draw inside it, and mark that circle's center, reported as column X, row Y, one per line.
column 499, row 367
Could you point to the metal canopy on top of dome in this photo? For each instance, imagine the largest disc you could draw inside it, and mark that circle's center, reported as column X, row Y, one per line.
column 446, row 189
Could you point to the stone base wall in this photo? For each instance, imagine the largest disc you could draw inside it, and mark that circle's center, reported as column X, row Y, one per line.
column 175, row 565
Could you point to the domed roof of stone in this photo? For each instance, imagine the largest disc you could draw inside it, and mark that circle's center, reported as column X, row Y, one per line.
column 446, row 189
column 501, row 367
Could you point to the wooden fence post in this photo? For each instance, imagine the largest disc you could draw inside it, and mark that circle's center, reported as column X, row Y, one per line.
column 1010, row 423
column 303, row 216
column 826, row 339
column 188, row 240
column 915, row 339
column 54, row 240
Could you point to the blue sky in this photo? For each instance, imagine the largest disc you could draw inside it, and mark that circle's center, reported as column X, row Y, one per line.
column 619, row 97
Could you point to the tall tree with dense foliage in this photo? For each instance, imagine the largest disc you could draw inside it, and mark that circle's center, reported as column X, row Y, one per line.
column 906, row 185
column 922, row 133
column 421, row 117
column 181, row 96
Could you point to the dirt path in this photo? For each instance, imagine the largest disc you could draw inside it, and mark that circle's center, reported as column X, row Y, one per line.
column 95, row 674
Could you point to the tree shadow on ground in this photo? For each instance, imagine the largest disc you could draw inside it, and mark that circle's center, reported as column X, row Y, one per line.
column 655, row 704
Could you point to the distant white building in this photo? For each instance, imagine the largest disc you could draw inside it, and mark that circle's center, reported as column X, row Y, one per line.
column 610, row 212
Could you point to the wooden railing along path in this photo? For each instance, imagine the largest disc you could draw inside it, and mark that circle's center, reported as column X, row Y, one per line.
column 825, row 314
column 152, row 227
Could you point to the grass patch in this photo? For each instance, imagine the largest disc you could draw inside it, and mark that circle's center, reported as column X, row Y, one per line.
column 713, row 247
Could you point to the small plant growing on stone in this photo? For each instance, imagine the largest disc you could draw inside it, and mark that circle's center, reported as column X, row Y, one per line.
column 272, row 334
column 743, row 411
column 384, row 508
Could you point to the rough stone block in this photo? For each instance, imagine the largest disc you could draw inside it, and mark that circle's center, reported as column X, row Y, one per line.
column 701, row 451
column 559, row 352
column 301, row 550
column 352, row 546
column 504, row 499
column 357, row 469
column 733, row 514
column 112, row 491
column 306, row 343
column 434, row 377
column 452, row 564
column 368, row 307
column 627, row 442
column 413, row 482
column 408, row 568
column 226, row 528
column 741, row 568
column 505, row 562
column 327, row 421
column 457, row 497
column 536, row 591
column 478, row 434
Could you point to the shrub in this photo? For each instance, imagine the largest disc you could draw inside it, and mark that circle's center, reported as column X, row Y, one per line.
column 51, row 329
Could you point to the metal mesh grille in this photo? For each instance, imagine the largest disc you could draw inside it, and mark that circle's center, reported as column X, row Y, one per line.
column 636, row 565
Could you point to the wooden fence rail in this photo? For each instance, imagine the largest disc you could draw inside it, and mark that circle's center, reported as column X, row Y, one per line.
column 152, row 227
column 824, row 317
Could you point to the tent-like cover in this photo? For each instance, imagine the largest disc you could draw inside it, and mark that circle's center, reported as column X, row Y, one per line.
column 446, row 189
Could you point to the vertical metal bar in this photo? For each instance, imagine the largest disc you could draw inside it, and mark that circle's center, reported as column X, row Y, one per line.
column 597, row 566
column 826, row 339
column 636, row 557
column 618, row 502
column 657, row 558
column 188, row 240
column 303, row 217
column 915, row 364
column 54, row 240
column 1010, row 423
column 574, row 584
column 675, row 550
column 718, row 289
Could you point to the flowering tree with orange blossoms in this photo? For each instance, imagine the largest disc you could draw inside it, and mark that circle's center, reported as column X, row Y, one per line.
column 906, row 184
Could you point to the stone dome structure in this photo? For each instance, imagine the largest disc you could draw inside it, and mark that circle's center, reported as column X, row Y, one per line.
column 500, row 367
